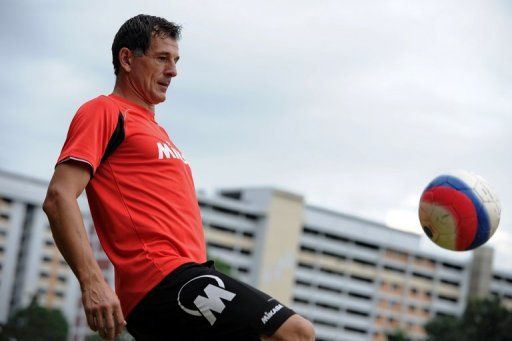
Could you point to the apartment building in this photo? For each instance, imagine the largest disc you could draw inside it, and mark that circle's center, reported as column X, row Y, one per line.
column 355, row 279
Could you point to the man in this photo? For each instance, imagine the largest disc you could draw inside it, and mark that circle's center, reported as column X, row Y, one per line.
column 143, row 203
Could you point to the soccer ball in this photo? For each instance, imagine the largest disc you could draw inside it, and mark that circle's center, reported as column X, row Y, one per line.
column 458, row 211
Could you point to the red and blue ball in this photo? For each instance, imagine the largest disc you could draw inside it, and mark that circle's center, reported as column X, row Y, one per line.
column 459, row 211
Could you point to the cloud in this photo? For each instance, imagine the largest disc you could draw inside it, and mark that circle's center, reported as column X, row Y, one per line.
column 356, row 105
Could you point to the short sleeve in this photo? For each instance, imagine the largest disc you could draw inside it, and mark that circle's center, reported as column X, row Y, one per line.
column 89, row 132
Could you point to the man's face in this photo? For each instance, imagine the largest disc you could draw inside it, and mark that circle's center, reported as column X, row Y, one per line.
column 151, row 73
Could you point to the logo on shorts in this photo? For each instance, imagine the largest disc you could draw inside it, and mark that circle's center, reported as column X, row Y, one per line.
column 212, row 302
column 268, row 315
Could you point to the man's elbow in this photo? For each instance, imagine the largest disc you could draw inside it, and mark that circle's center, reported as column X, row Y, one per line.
column 51, row 202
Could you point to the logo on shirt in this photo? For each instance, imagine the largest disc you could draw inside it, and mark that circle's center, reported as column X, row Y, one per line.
column 205, row 305
column 268, row 315
column 168, row 152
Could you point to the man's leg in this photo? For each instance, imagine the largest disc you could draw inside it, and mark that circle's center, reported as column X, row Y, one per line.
column 296, row 328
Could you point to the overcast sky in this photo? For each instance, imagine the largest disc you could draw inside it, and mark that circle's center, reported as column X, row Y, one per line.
column 356, row 105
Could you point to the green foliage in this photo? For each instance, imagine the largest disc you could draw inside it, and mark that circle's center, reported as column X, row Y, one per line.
column 442, row 328
column 125, row 336
column 483, row 319
column 398, row 335
column 35, row 323
column 222, row 266
column 93, row 337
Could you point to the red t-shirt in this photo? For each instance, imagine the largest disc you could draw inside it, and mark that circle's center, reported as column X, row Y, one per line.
column 142, row 196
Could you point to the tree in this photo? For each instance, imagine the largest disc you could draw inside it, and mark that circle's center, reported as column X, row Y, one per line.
column 483, row 319
column 35, row 323
column 398, row 335
column 222, row 266
column 125, row 336
column 443, row 328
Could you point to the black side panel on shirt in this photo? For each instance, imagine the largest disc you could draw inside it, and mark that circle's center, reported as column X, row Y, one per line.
column 116, row 139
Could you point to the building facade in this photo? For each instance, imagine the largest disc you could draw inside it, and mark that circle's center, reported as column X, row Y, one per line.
column 353, row 278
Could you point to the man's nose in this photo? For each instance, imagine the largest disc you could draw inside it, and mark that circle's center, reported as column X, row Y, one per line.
column 171, row 70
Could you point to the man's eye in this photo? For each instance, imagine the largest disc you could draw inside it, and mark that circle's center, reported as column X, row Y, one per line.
column 162, row 59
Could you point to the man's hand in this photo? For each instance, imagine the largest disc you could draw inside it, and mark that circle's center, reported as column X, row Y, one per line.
column 100, row 302
column 102, row 309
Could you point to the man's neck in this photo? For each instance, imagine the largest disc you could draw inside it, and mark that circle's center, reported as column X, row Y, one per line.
column 124, row 90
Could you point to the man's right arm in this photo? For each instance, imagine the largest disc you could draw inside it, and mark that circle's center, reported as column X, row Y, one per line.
column 101, row 304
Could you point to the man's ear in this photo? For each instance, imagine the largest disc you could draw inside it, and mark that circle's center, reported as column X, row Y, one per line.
column 126, row 59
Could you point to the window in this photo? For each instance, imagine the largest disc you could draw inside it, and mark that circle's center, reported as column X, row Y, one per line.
column 355, row 330
column 307, row 248
column 245, row 251
column 357, row 295
column 225, row 210
column 237, row 195
column 442, row 313
column 395, row 286
column 452, row 283
column 250, row 216
column 303, row 283
column 357, row 312
column 452, row 266
column 367, row 245
column 221, row 228
column 394, row 269
column 427, row 277
column 300, row 300
column 335, row 237
column 308, row 230
column 447, row 298
column 331, row 271
column 363, row 262
column 327, row 306
column 219, row 246
column 329, row 288
column 305, row 266
column 362, row 279
column 324, row 323
column 333, row 254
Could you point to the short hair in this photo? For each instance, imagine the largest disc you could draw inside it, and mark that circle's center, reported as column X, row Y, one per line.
column 136, row 34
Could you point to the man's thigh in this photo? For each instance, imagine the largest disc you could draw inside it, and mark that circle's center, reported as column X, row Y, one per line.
column 196, row 302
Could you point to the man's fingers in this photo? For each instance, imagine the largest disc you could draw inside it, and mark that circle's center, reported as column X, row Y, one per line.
column 119, row 319
column 110, row 327
column 100, row 323
column 91, row 321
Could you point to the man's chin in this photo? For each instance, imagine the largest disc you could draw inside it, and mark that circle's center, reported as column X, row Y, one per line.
column 159, row 98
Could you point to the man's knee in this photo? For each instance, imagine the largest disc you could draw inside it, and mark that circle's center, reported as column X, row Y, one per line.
column 295, row 328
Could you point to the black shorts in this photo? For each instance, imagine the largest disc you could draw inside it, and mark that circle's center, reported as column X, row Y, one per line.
column 196, row 302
